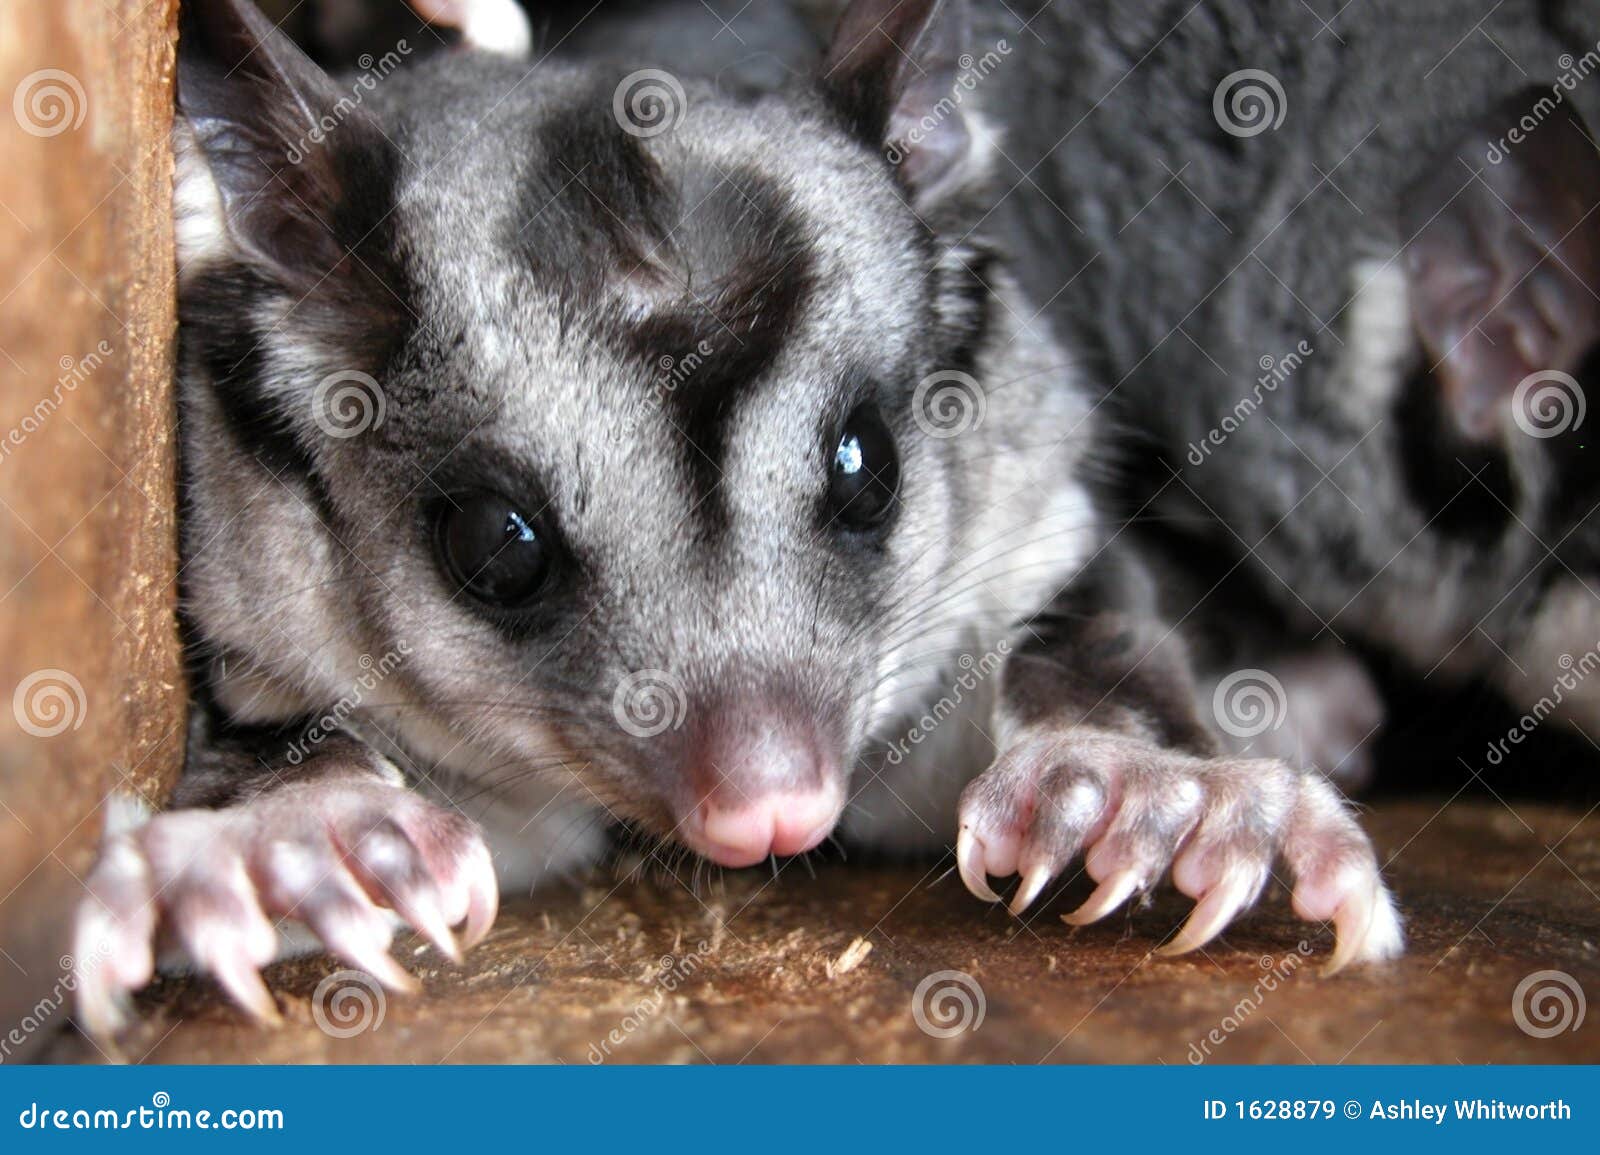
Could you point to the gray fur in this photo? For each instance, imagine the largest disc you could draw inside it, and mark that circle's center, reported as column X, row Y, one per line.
column 1206, row 252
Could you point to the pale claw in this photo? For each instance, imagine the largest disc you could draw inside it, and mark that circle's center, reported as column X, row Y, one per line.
column 483, row 891
column 1366, row 928
column 1033, row 882
column 1109, row 895
column 1213, row 912
column 970, row 862
column 383, row 866
column 238, row 975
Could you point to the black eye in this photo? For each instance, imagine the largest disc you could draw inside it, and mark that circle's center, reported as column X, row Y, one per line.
column 490, row 549
column 865, row 474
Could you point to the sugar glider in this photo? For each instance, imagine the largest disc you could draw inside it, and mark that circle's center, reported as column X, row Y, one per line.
column 572, row 444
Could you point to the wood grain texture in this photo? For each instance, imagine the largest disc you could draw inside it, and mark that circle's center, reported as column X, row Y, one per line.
column 87, row 460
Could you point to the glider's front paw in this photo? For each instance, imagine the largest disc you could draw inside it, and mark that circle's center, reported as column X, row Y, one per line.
column 1133, row 809
column 337, row 855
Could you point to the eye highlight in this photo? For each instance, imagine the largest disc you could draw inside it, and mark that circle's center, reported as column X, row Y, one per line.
column 491, row 550
column 864, row 477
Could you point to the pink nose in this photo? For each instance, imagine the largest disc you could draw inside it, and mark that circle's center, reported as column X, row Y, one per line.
column 772, row 824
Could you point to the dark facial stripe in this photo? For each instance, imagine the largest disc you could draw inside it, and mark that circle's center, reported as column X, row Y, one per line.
column 963, row 306
column 594, row 203
column 728, row 323
column 220, row 337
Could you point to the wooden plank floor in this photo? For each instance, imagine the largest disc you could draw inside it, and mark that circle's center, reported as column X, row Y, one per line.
column 763, row 970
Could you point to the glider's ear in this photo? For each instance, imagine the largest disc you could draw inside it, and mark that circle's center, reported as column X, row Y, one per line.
column 1503, row 264
column 891, row 72
column 271, row 145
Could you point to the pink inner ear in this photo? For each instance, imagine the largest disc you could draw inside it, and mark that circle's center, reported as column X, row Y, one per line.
column 894, row 65
column 1504, row 261
column 932, row 146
